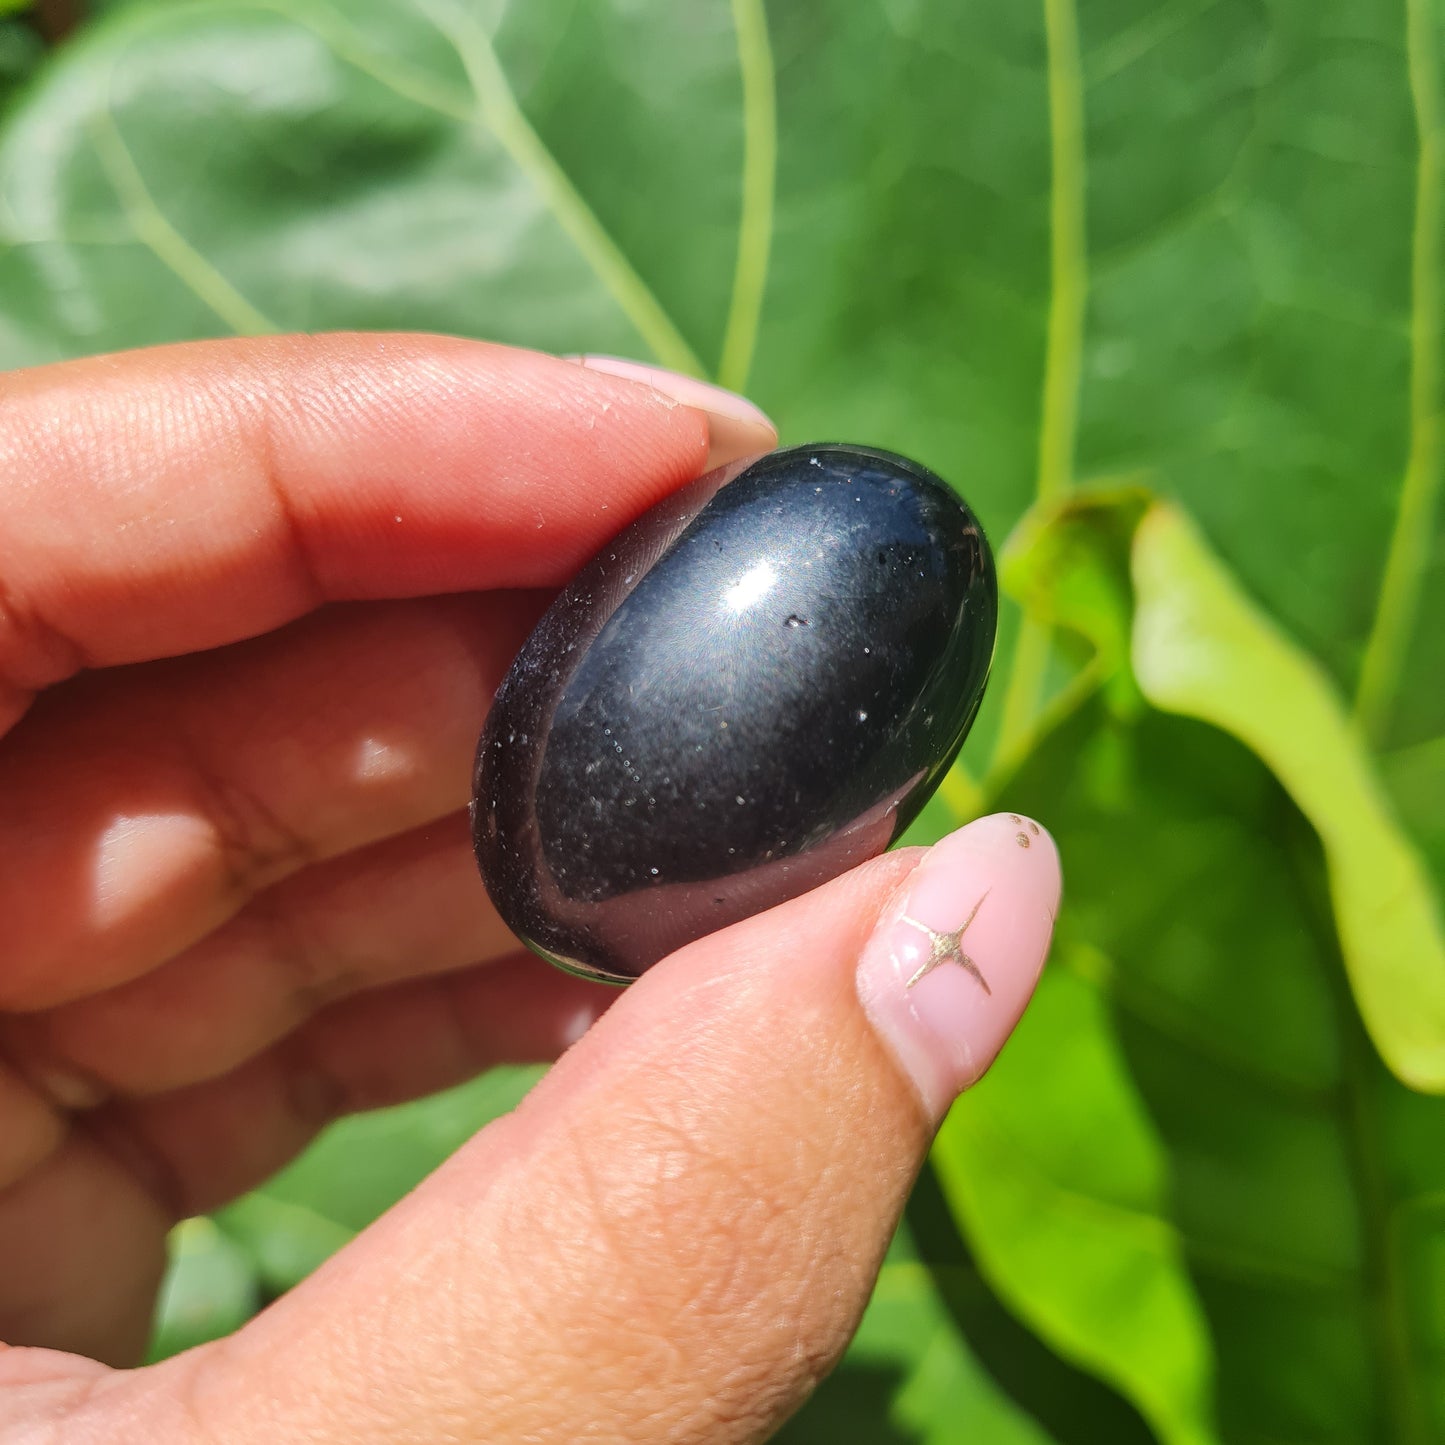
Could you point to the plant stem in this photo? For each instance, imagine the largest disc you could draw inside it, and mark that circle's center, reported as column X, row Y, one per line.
column 1064, row 344
column 760, row 162
column 1409, row 556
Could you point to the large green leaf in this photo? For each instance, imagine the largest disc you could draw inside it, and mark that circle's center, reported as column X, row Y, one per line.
column 211, row 1288
column 20, row 53
column 1191, row 244
column 1063, row 1184
column 1291, row 1189
column 369, row 165
column 908, row 1377
column 1073, row 1405
column 1202, row 649
column 1281, row 1192
column 1023, row 244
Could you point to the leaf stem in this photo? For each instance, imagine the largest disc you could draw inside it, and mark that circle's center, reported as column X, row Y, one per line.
column 1386, row 1314
column 500, row 112
column 1022, row 701
column 760, row 163
column 1386, row 1318
column 1064, row 341
column 1409, row 554
column 962, row 793
column 1068, row 267
column 153, row 230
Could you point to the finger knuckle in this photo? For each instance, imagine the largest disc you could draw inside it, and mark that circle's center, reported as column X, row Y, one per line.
column 256, row 846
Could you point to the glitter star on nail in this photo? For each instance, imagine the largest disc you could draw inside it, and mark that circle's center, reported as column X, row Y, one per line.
column 948, row 948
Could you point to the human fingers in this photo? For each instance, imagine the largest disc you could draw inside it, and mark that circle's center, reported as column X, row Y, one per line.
column 82, row 1256
column 145, row 806
column 199, row 1147
column 83, row 1223
column 164, row 501
column 673, row 1237
column 403, row 908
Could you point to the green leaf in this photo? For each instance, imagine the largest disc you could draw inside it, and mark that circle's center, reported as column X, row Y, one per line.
column 210, row 1289
column 1072, row 1405
column 362, row 1166
column 283, row 1240
column 1415, row 778
column 908, row 1379
column 1202, row 648
column 1057, row 1172
column 1190, row 1137
column 1193, row 244
column 21, row 50
column 1034, row 243
column 1301, row 1187
column 366, row 165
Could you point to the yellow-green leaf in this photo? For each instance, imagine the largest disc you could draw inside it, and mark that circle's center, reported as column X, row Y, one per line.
column 1204, row 649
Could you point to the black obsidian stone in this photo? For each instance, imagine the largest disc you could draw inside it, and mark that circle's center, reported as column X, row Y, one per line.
column 754, row 687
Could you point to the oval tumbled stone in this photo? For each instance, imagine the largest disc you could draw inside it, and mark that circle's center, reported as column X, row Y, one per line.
column 752, row 688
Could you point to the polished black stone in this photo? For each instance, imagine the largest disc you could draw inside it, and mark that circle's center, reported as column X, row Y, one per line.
column 754, row 687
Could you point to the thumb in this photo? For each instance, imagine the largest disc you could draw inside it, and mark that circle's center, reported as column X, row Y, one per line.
column 674, row 1236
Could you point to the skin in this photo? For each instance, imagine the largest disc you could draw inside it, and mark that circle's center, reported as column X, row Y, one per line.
column 254, row 599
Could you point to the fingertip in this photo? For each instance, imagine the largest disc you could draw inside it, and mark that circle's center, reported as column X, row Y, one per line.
column 736, row 427
column 301, row 470
column 955, row 957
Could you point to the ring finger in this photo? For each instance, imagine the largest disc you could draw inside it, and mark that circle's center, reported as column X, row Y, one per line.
column 408, row 907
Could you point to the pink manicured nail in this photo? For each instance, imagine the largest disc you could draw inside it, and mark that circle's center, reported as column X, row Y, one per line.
column 952, row 963
column 736, row 428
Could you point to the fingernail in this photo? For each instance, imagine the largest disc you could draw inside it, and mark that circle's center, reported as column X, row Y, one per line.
column 954, row 959
column 736, row 428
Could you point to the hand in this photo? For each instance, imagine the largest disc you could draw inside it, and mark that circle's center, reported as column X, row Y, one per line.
column 254, row 600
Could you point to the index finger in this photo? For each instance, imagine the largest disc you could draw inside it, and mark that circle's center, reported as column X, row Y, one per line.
column 159, row 502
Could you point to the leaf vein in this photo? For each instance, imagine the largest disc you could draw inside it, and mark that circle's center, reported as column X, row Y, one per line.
column 164, row 241
column 499, row 110
column 1135, row 42
column 760, row 164
column 1068, row 264
column 494, row 104
column 1064, row 337
column 1408, row 556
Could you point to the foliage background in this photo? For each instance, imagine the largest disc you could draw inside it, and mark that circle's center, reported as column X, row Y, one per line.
column 1158, row 284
